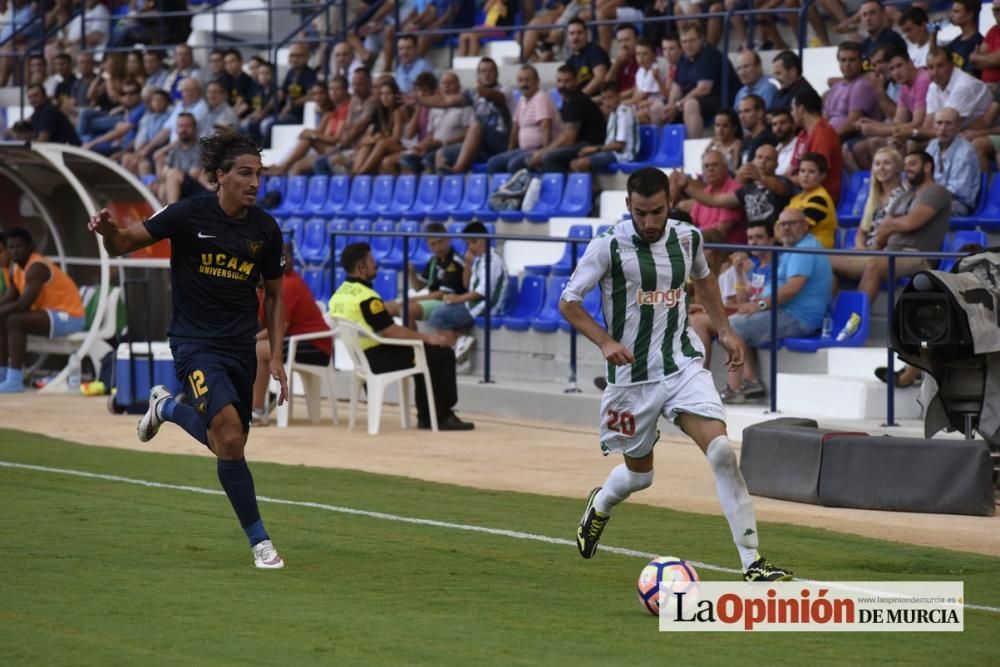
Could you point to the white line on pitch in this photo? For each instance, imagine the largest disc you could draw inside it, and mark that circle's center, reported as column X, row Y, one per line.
column 515, row 534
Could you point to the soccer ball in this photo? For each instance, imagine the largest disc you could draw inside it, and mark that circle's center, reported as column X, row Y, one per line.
column 676, row 574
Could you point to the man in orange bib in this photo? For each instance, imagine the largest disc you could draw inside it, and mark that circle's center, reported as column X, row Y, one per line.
column 41, row 300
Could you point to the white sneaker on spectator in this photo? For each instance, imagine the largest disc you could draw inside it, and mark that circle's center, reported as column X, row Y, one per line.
column 464, row 367
column 266, row 557
column 462, row 347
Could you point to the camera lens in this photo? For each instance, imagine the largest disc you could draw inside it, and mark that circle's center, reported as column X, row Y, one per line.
column 929, row 321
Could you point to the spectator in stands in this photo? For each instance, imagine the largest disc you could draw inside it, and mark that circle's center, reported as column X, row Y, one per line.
column 438, row 14
column 729, row 221
column 314, row 144
column 294, row 91
column 788, row 72
column 965, row 15
column 489, row 135
column 361, row 108
column 356, row 301
column 443, row 274
column 911, row 110
column 713, row 29
column 135, row 70
column 852, row 98
column 879, row 28
column 750, row 70
column 37, row 71
column 588, row 60
column 956, row 165
column 70, row 38
column 496, row 13
column 49, row 123
column 535, row 119
column 150, row 125
column 987, row 57
column 410, row 66
column 41, row 300
column 621, row 137
column 105, row 91
column 219, row 115
column 191, row 102
column 184, row 68
column 919, row 40
column 756, row 133
column 817, row 136
column 344, row 63
column 85, row 76
column 217, row 66
column 670, row 46
column 696, row 93
column 805, row 289
column 446, row 126
column 120, row 135
column 918, row 222
column 727, row 138
column 652, row 87
column 22, row 130
column 458, row 314
column 156, row 73
column 257, row 123
column 63, row 94
column 625, row 66
column 884, row 193
column 984, row 133
column 814, row 200
column 183, row 175
column 760, row 194
column 582, row 124
column 15, row 36
column 238, row 84
column 951, row 87
column 783, row 129
column 383, row 137
column 302, row 316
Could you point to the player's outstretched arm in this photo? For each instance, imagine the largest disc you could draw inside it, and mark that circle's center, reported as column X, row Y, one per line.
column 119, row 241
column 711, row 299
column 581, row 320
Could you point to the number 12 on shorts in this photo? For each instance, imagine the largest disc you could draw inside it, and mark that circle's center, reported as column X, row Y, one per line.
column 621, row 422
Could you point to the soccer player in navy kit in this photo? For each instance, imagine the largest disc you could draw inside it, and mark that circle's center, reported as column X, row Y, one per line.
column 221, row 246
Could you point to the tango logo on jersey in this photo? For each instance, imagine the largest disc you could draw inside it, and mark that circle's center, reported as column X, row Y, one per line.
column 221, row 265
column 667, row 298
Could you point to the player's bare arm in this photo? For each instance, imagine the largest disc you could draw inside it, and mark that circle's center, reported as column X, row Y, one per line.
column 711, row 299
column 613, row 351
column 274, row 315
column 119, row 241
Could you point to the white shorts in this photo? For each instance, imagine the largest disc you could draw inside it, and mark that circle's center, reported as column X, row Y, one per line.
column 629, row 414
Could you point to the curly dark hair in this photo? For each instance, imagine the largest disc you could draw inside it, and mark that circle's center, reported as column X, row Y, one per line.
column 220, row 150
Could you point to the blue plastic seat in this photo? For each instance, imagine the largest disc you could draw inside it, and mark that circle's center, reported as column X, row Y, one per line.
column 403, row 196
column 954, row 242
column 339, row 276
column 449, row 199
column 381, row 198
column 337, row 194
column 989, row 217
column 340, row 240
column 563, row 265
column 982, row 200
column 510, row 298
column 669, row 148
column 473, row 199
column 428, row 189
column 577, row 198
column 383, row 246
column 318, row 280
column 361, row 194
column 274, row 184
column 419, row 253
column 315, row 246
column 643, row 156
column 359, row 232
column 487, row 214
column 853, row 198
column 261, row 186
column 386, row 284
column 548, row 318
column 457, row 243
column 591, row 304
column 549, row 198
column 846, row 303
column 293, row 203
column 530, row 299
column 291, row 229
column 316, row 195
column 601, row 229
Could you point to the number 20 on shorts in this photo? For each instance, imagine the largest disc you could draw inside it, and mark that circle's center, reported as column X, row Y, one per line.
column 621, row 422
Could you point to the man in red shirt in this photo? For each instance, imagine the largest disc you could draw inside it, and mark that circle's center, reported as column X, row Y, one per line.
column 987, row 54
column 817, row 136
column 302, row 316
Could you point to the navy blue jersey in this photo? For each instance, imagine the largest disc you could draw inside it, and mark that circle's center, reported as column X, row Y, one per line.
column 215, row 265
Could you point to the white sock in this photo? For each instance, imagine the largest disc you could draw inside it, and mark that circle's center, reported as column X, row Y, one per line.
column 620, row 484
column 735, row 499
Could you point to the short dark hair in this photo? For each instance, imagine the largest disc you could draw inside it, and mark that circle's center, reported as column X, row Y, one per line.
column 435, row 227
column 219, row 151
column 766, row 224
column 426, row 81
column 566, row 69
column 475, row 227
column 647, row 182
column 63, row 56
column 576, row 20
column 756, row 100
column 219, row 52
column 530, row 68
column 354, row 254
column 409, row 38
column 609, row 87
column 156, row 53
column 20, row 233
column 234, row 52
column 625, row 26
column 892, row 51
column 779, row 111
column 854, row 47
column 642, row 41
column 914, row 15
column 789, row 60
column 971, row 6
column 39, row 87
column 162, row 93
column 925, row 158
column 342, row 80
column 817, row 159
column 187, row 114
column 808, row 99
column 939, row 51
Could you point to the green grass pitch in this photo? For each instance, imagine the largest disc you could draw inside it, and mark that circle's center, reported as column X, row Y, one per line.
column 99, row 572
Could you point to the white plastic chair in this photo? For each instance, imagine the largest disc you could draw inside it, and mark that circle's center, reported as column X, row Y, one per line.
column 315, row 380
column 350, row 335
column 106, row 322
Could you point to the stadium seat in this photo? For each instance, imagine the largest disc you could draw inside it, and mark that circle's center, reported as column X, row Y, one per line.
column 148, row 180
column 989, row 216
column 578, row 197
column 562, row 267
column 292, row 229
column 315, row 246
column 591, row 304
column 337, row 194
column 428, row 189
column 449, row 199
column 386, row 284
column 643, row 156
column 359, row 232
column 383, row 247
column 549, row 198
column 403, row 197
column 548, row 318
column 846, row 303
column 853, row 198
column 339, row 276
column 275, row 184
column 845, row 237
column 487, row 214
column 419, row 253
column 293, row 203
column 339, row 240
column 497, row 320
column 530, row 299
column 473, row 199
column 972, row 220
column 601, row 229
column 361, row 194
column 954, row 242
column 316, row 195
column 381, row 198
column 318, row 280
column 458, row 244
column 669, row 147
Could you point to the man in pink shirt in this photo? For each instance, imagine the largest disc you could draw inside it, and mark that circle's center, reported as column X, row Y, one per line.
column 535, row 120
column 730, row 221
column 852, row 98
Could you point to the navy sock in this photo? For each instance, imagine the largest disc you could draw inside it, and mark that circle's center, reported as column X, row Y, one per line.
column 238, row 484
column 186, row 417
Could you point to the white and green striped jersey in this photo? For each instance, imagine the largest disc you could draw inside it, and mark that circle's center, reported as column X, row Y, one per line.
column 498, row 284
column 644, row 296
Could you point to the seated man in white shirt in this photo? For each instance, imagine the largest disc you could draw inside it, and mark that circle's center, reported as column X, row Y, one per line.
column 952, row 88
column 652, row 86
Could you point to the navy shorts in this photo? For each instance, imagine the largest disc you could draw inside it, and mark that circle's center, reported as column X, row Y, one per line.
column 215, row 377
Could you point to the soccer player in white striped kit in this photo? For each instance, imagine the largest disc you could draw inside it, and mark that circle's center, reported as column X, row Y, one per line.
column 655, row 364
